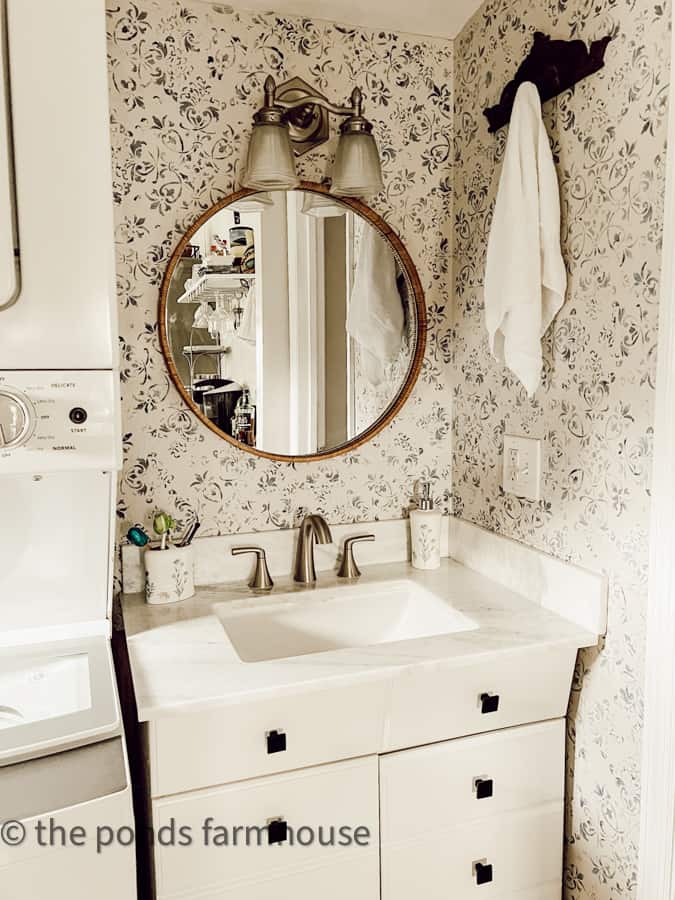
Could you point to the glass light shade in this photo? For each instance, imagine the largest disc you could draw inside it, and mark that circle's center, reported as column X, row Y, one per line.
column 270, row 165
column 321, row 207
column 356, row 171
column 253, row 204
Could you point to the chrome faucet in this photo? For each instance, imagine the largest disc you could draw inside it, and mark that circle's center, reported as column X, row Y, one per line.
column 313, row 529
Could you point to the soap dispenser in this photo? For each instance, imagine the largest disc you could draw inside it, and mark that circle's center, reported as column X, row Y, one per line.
column 425, row 532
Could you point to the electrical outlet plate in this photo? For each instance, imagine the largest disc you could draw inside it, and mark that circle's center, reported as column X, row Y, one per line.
column 522, row 467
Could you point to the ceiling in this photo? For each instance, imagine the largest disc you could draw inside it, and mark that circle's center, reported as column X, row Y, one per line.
column 429, row 17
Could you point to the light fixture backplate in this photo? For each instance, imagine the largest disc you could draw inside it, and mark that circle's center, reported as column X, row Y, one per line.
column 308, row 125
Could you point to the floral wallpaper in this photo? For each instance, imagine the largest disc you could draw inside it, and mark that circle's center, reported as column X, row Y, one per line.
column 594, row 410
column 185, row 80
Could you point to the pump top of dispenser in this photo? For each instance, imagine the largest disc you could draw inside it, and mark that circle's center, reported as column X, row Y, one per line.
column 426, row 501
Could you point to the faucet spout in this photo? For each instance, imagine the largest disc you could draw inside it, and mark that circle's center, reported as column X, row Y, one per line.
column 322, row 534
column 313, row 529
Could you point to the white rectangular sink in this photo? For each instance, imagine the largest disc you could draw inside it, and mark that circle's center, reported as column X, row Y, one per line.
column 299, row 623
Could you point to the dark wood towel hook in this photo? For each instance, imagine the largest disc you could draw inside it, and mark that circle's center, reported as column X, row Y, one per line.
column 554, row 66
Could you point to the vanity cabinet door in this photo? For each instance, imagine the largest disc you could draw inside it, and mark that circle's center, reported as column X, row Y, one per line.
column 343, row 795
column 475, row 817
column 435, row 703
column 262, row 737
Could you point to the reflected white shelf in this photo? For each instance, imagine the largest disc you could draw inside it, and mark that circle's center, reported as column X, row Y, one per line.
column 206, row 348
column 211, row 284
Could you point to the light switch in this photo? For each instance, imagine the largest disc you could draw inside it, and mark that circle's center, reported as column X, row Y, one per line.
column 522, row 466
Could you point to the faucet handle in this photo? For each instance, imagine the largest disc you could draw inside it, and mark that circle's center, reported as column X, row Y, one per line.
column 261, row 580
column 348, row 567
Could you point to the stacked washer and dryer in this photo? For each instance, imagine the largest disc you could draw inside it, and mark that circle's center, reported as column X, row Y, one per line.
column 66, row 823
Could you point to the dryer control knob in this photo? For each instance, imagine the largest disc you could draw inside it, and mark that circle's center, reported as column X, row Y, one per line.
column 17, row 419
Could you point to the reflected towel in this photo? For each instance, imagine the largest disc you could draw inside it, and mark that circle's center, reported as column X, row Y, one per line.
column 525, row 277
column 376, row 319
column 247, row 328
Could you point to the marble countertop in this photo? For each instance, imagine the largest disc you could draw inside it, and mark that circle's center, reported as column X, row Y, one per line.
column 182, row 659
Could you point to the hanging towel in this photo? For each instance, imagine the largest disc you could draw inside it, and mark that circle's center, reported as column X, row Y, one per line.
column 525, row 277
column 247, row 329
column 376, row 319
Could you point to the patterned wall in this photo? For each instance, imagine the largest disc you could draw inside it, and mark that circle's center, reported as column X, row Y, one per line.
column 594, row 410
column 186, row 78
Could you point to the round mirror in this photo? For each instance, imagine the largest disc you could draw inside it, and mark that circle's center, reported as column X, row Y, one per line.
column 293, row 323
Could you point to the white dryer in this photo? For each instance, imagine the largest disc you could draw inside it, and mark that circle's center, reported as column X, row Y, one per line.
column 64, row 777
column 63, row 763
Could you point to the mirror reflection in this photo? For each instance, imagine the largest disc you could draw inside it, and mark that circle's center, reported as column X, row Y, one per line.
column 290, row 322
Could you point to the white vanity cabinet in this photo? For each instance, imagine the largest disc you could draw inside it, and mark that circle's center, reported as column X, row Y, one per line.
column 472, row 817
column 457, row 773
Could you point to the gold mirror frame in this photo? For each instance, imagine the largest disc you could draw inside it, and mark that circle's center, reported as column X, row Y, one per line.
column 406, row 264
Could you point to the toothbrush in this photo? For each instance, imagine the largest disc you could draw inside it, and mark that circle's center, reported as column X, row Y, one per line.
column 190, row 533
column 137, row 536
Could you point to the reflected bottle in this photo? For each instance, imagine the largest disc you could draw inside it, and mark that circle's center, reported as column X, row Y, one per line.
column 243, row 420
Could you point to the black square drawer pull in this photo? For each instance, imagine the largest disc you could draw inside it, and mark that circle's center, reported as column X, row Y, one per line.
column 482, row 872
column 489, row 703
column 277, row 831
column 276, row 741
column 484, row 788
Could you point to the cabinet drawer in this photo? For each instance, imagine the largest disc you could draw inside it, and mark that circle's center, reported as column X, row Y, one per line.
column 435, row 703
column 521, row 856
column 340, row 795
column 438, row 786
column 233, row 743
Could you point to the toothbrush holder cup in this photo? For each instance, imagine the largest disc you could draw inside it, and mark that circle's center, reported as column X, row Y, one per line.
column 169, row 574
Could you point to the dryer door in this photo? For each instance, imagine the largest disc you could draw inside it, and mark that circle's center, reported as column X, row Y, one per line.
column 55, row 696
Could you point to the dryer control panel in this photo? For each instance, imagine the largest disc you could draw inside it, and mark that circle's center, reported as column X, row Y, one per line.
column 59, row 421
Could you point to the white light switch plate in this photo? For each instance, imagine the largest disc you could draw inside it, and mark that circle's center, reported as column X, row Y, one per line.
column 522, row 467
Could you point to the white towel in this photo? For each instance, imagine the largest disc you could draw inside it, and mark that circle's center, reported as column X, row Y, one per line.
column 376, row 319
column 247, row 329
column 525, row 277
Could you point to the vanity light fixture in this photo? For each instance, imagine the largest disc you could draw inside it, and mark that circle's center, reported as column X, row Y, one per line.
column 295, row 114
